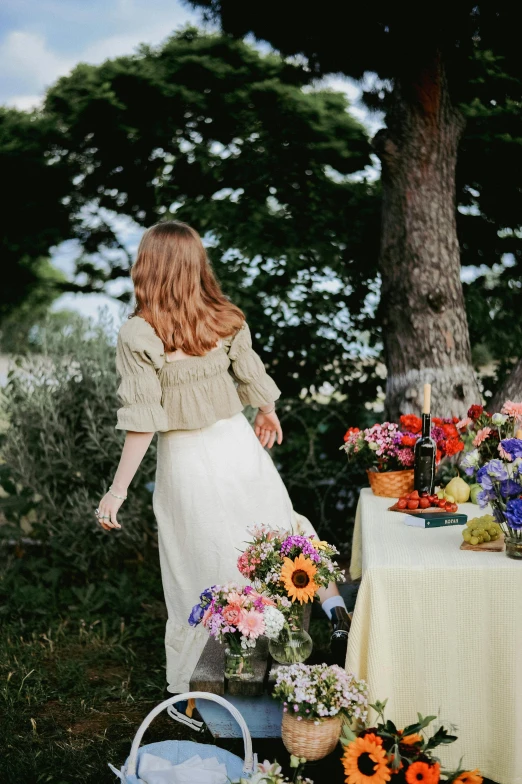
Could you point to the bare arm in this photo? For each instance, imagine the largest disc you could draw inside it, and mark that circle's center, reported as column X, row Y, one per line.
column 133, row 452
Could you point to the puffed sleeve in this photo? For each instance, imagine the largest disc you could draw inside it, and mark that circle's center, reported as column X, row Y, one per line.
column 254, row 385
column 139, row 357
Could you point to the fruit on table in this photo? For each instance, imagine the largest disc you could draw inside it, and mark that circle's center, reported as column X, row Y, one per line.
column 425, row 501
column 474, row 491
column 459, row 489
column 481, row 529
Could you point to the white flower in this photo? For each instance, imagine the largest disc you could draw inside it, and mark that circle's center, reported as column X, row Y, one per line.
column 274, row 622
column 499, row 419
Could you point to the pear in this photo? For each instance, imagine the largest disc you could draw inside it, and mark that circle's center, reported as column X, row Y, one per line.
column 459, row 489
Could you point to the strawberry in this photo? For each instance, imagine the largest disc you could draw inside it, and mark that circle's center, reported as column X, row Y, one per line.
column 402, row 503
column 413, row 503
column 424, row 503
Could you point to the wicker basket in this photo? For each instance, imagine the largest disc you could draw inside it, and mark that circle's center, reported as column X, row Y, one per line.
column 306, row 739
column 391, row 484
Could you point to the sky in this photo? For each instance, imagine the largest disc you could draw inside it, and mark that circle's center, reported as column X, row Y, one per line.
column 41, row 40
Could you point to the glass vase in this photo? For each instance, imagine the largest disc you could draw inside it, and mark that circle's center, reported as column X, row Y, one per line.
column 238, row 664
column 294, row 644
column 512, row 536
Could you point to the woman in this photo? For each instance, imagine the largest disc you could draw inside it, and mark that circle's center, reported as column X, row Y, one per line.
column 187, row 370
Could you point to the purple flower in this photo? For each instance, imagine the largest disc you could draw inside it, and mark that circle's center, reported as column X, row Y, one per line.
column 485, row 496
column 514, row 513
column 497, row 470
column 303, row 543
column 484, row 479
column 207, row 594
column 513, row 446
column 196, row 615
column 510, row 489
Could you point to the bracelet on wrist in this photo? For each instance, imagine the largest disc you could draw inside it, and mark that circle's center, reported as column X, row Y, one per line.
column 270, row 411
column 115, row 495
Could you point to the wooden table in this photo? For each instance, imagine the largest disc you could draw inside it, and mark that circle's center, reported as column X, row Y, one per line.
column 252, row 698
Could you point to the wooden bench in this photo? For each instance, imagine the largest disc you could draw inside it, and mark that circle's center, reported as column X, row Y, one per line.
column 252, row 698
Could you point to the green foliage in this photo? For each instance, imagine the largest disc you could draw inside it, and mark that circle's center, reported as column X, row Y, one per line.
column 34, row 214
column 60, row 450
column 242, row 146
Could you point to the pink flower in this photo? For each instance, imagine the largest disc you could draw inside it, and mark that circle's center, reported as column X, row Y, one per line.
column 482, row 435
column 503, row 454
column 512, row 409
column 264, row 599
column 207, row 615
column 232, row 614
column 251, row 624
column 464, row 423
column 237, row 599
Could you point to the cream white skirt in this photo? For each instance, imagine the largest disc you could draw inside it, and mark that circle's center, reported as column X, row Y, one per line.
column 212, row 485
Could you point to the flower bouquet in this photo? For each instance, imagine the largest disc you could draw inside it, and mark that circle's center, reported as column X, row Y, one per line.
column 387, row 451
column 271, row 773
column 237, row 615
column 315, row 700
column 289, row 569
column 501, row 486
column 385, row 754
column 485, row 432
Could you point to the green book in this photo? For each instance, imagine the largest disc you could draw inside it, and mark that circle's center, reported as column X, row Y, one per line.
column 430, row 520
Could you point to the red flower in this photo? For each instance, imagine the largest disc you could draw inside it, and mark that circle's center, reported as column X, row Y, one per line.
column 351, row 432
column 453, row 445
column 408, row 439
column 450, row 431
column 475, row 412
column 411, row 423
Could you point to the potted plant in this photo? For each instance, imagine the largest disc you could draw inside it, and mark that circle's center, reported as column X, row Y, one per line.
column 237, row 615
column 384, row 753
column 316, row 699
column 289, row 568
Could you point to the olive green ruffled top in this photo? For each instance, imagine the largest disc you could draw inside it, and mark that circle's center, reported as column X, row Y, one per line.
column 186, row 394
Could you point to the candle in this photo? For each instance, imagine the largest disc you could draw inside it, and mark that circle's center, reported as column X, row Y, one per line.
column 427, row 399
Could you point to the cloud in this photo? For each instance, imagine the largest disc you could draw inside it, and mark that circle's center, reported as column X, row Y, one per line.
column 45, row 46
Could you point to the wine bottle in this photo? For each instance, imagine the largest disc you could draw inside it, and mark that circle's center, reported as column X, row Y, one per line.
column 425, row 450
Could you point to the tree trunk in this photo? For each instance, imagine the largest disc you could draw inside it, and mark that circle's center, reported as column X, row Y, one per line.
column 511, row 389
column 425, row 329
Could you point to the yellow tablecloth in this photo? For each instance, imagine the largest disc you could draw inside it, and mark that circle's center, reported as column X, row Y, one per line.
column 439, row 630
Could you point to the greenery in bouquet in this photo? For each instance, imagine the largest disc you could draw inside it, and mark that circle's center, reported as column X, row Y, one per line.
column 384, row 753
column 237, row 615
column 484, row 432
column 391, row 447
column 271, row 773
column 289, row 568
column 318, row 692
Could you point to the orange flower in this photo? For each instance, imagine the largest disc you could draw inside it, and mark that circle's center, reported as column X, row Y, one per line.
column 410, row 740
column 422, row 773
column 468, row 777
column 352, row 431
column 365, row 762
column 298, row 579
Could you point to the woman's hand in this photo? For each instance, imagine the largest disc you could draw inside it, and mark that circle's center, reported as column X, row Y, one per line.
column 268, row 428
column 107, row 512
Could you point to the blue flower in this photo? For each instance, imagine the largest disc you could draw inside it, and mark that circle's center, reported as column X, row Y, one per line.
column 207, row 594
column 514, row 513
column 513, row 446
column 510, row 489
column 497, row 469
column 484, row 479
column 196, row 615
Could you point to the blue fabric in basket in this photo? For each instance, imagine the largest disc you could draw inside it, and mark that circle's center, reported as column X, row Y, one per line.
column 177, row 751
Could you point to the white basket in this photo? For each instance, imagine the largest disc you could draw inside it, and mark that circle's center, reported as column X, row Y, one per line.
column 128, row 773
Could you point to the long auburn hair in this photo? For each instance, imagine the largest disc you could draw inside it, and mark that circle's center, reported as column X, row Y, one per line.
column 177, row 291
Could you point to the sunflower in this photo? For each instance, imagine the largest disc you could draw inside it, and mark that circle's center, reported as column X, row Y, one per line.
column 365, row 762
column 468, row 777
column 298, row 578
column 422, row 773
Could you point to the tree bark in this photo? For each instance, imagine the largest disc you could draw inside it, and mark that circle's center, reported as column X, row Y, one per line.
column 425, row 328
column 511, row 389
